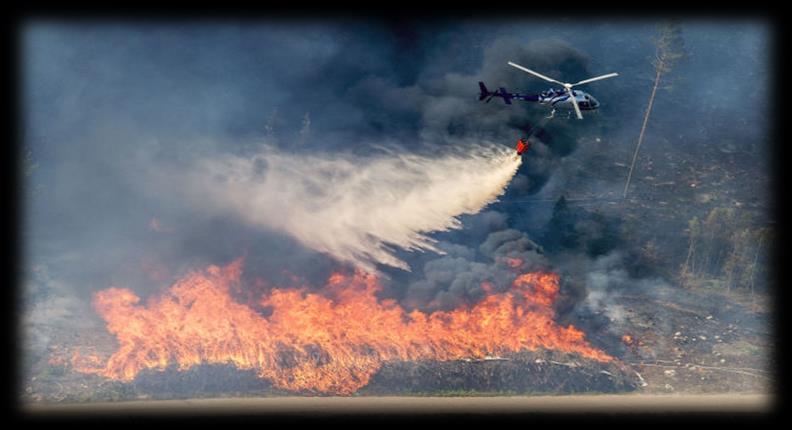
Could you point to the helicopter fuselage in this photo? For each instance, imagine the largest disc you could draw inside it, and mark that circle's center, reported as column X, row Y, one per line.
column 555, row 98
column 560, row 99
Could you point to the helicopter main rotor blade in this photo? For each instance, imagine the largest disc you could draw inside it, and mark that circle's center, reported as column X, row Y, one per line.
column 574, row 103
column 535, row 73
column 609, row 75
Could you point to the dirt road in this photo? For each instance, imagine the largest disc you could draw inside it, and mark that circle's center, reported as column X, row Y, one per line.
column 421, row 405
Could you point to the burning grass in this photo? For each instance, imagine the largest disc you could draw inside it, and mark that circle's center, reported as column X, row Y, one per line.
column 331, row 342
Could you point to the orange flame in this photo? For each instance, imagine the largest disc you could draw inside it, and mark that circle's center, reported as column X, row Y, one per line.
column 328, row 343
column 512, row 262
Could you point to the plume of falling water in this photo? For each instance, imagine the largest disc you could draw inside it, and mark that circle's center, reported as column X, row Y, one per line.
column 356, row 209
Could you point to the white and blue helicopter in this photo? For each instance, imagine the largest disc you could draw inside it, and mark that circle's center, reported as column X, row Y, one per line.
column 566, row 98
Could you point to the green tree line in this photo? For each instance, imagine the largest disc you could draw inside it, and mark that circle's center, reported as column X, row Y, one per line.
column 728, row 248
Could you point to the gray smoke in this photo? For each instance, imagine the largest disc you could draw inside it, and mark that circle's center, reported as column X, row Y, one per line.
column 456, row 278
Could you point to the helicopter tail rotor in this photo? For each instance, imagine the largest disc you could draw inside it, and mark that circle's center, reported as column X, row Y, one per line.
column 484, row 92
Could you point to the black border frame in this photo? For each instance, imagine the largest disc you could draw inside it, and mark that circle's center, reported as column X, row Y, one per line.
column 403, row 14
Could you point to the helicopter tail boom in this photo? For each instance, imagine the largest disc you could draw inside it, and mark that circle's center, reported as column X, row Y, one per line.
column 488, row 95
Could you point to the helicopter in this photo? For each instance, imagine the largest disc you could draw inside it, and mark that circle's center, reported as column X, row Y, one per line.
column 566, row 98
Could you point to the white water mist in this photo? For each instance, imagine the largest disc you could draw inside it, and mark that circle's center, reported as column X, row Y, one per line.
column 356, row 209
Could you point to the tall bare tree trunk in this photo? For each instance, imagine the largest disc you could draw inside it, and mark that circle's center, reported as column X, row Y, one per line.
column 730, row 276
column 643, row 129
column 753, row 268
column 687, row 262
column 707, row 266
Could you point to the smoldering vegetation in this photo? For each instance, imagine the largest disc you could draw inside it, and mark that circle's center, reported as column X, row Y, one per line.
column 122, row 120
